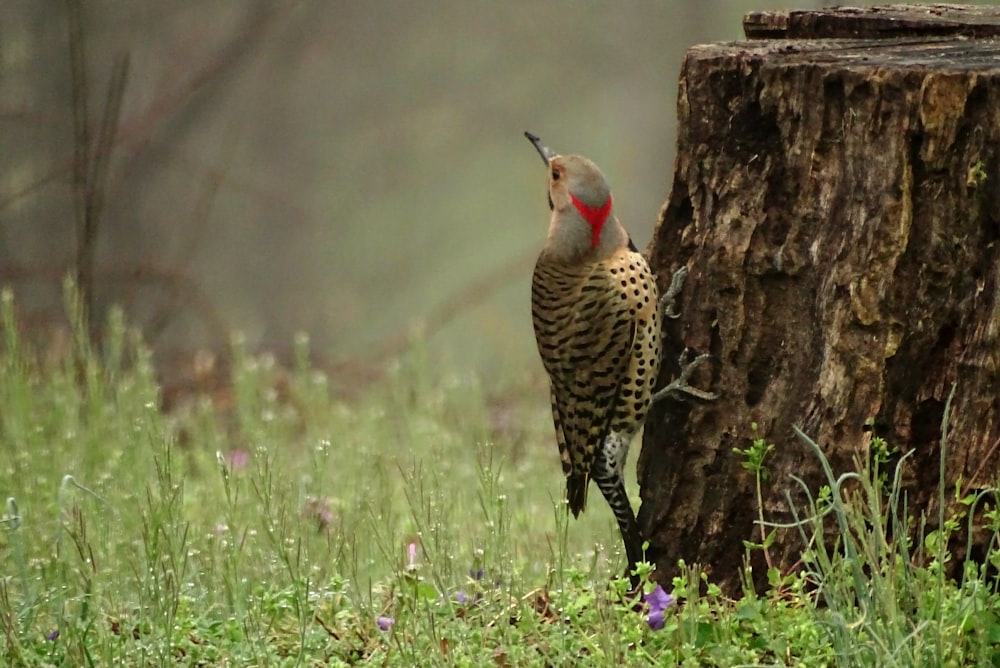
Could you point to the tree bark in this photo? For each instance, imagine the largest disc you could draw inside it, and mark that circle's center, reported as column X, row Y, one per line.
column 837, row 202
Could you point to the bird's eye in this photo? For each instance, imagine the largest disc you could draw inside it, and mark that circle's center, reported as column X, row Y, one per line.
column 555, row 174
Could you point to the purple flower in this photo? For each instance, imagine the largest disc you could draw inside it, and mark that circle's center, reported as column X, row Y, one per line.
column 53, row 635
column 385, row 623
column 476, row 574
column 462, row 598
column 238, row 460
column 319, row 510
column 658, row 601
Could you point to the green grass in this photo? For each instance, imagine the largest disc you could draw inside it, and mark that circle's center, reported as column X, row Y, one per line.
column 277, row 531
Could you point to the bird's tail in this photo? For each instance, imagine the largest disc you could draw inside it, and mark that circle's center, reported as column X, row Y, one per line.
column 576, row 492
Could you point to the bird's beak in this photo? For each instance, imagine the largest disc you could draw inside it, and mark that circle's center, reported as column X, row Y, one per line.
column 543, row 151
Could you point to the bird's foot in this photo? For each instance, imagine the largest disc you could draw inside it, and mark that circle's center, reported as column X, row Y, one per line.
column 667, row 301
column 680, row 384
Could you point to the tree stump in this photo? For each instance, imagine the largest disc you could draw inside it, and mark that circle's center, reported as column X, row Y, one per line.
column 837, row 202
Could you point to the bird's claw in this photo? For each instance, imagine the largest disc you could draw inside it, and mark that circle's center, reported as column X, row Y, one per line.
column 667, row 304
column 680, row 384
column 688, row 365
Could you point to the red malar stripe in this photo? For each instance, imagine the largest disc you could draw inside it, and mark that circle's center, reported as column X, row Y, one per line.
column 595, row 215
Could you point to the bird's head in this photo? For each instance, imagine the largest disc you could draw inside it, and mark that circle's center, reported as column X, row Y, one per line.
column 582, row 220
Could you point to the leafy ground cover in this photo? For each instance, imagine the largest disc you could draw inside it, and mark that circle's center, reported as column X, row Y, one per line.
column 421, row 522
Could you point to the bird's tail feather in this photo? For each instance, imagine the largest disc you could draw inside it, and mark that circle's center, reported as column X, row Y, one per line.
column 576, row 492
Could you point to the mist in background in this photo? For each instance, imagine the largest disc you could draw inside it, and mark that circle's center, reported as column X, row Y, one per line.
column 354, row 171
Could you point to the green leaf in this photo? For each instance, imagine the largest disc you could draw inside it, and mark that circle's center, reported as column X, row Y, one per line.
column 769, row 539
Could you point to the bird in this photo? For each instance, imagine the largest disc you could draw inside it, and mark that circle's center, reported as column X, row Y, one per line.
column 595, row 308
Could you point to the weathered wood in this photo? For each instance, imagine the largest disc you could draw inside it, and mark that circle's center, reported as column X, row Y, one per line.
column 838, row 206
column 874, row 22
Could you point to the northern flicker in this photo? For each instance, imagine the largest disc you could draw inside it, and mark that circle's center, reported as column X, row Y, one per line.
column 595, row 309
column 596, row 314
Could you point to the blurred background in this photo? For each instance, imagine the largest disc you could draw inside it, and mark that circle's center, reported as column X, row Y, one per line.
column 352, row 170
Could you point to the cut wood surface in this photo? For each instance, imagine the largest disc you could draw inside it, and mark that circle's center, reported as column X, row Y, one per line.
column 874, row 22
column 837, row 203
